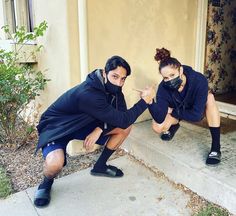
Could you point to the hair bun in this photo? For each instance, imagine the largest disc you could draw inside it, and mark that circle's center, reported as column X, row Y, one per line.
column 162, row 54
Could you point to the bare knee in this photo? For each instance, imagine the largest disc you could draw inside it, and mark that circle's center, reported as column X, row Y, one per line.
column 54, row 162
column 210, row 100
column 120, row 131
column 158, row 128
column 125, row 132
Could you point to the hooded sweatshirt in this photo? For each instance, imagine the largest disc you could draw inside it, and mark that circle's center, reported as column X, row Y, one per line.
column 84, row 104
column 188, row 105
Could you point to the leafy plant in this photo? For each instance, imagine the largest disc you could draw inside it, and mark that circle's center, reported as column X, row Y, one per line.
column 211, row 210
column 5, row 185
column 20, row 84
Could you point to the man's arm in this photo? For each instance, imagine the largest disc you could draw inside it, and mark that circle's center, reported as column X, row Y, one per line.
column 98, row 107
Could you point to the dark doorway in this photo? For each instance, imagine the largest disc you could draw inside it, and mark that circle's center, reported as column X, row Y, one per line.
column 220, row 57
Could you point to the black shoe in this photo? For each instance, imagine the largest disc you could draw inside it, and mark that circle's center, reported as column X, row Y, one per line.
column 213, row 158
column 42, row 197
column 108, row 171
column 168, row 135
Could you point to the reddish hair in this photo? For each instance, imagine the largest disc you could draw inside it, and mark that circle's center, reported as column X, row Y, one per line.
column 163, row 57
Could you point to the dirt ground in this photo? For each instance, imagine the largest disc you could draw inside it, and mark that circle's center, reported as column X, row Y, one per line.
column 26, row 169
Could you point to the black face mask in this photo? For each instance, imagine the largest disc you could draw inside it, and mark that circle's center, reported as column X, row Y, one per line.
column 111, row 88
column 173, row 84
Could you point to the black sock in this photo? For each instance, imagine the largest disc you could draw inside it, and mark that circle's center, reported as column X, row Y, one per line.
column 215, row 134
column 174, row 128
column 46, row 184
column 101, row 162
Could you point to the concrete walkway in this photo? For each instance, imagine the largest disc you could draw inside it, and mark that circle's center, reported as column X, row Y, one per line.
column 183, row 160
column 139, row 192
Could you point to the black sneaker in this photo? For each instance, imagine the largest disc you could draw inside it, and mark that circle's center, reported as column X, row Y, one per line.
column 213, row 158
column 168, row 135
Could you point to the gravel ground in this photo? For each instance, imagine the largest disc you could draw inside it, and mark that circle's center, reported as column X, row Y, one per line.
column 26, row 169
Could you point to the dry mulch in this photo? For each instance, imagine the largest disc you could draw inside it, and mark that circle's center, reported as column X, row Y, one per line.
column 26, row 169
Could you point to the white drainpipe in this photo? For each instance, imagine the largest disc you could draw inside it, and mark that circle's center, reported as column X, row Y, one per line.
column 83, row 43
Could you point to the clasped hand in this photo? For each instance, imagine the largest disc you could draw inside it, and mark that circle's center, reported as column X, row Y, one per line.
column 147, row 94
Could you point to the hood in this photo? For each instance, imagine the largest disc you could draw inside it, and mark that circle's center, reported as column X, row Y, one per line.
column 95, row 80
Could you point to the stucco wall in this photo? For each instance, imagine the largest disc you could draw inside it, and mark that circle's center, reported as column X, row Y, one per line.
column 134, row 29
column 60, row 56
column 130, row 28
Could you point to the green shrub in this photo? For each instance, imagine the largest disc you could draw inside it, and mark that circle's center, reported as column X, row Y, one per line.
column 19, row 86
column 5, row 185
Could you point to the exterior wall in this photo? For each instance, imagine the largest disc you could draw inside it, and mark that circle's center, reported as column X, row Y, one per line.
column 130, row 28
column 73, row 32
column 2, row 12
column 133, row 29
column 59, row 56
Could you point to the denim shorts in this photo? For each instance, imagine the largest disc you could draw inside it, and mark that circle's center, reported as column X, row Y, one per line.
column 61, row 143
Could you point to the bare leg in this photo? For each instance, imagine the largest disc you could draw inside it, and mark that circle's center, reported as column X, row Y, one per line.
column 212, row 112
column 165, row 125
column 54, row 163
column 52, row 166
column 118, row 136
column 213, row 119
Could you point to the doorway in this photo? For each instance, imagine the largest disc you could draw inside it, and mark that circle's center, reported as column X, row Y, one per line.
column 220, row 51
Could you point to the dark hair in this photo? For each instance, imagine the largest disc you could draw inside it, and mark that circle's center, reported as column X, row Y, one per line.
column 115, row 61
column 163, row 55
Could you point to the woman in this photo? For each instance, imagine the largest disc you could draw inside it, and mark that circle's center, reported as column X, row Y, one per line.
column 183, row 95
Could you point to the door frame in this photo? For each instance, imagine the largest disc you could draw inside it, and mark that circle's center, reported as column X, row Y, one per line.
column 200, row 47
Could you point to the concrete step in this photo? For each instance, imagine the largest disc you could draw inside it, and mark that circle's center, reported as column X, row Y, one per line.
column 183, row 160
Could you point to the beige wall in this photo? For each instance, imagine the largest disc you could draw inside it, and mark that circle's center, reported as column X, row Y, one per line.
column 130, row 28
column 133, row 29
column 60, row 56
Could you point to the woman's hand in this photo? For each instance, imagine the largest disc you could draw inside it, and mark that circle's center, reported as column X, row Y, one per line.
column 147, row 94
column 92, row 138
column 170, row 110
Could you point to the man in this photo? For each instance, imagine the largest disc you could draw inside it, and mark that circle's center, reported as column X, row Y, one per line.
column 94, row 111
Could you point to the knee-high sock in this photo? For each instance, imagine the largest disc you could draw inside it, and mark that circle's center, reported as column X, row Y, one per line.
column 47, row 183
column 101, row 162
column 215, row 134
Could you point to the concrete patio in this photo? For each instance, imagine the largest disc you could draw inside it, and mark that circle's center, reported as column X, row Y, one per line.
column 183, row 160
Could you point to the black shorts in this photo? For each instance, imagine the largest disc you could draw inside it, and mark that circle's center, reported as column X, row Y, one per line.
column 61, row 143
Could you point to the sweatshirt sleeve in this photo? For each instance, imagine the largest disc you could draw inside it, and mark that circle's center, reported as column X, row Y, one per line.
column 159, row 109
column 196, row 112
column 98, row 107
column 121, row 102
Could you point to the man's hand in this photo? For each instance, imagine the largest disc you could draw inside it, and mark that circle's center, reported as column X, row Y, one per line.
column 147, row 94
column 92, row 138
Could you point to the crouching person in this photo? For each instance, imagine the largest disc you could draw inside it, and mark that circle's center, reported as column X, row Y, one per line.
column 94, row 111
column 183, row 95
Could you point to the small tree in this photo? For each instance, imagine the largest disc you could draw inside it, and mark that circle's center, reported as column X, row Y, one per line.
column 19, row 85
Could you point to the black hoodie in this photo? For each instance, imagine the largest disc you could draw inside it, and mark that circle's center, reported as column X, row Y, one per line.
column 191, row 107
column 82, row 105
